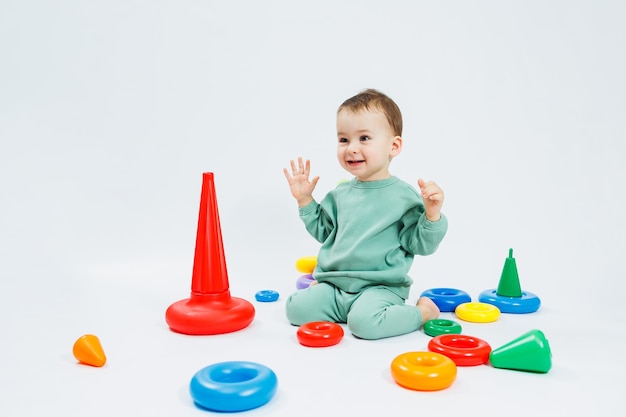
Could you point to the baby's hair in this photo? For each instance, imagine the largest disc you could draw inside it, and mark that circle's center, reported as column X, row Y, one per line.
column 371, row 98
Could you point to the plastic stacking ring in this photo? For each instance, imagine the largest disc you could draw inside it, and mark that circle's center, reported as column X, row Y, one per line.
column 477, row 312
column 527, row 303
column 304, row 281
column 423, row 371
column 463, row 350
column 319, row 334
column 441, row 326
column 306, row 264
column 447, row 299
column 233, row 386
column 266, row 296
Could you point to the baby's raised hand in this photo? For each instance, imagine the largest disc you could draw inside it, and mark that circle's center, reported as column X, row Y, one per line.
column 299, row 184
column 433, row 199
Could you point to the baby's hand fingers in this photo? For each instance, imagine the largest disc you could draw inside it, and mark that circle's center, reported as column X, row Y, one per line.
column 434, row 196
column 425, row 185
column 294, row 168
column 433, row 193
column 430, row 190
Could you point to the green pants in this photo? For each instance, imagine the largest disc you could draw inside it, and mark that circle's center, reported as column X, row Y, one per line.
column 374, row 313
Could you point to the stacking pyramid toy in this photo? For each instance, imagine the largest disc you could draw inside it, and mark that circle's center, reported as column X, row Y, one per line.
column 509, row 297
column 210, row 309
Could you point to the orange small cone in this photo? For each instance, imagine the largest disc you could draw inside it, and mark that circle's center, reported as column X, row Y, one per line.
column 88, row 350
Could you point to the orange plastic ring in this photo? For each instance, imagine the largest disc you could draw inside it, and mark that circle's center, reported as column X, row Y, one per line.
column 477, row 312
column 463, row 350
column 423, row 371
column 319, row 334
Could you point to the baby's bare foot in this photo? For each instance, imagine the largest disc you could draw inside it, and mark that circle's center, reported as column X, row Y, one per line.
column 429, row 309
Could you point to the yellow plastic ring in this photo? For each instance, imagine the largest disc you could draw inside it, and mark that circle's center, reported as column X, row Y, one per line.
column 306, row 264
column 477, row 312
column 423, row 371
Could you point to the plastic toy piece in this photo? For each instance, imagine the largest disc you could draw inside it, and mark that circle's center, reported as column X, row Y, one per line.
column 509, row 285
column 527, row 303
column 447, row 299
column 306, row 264
column 477, row 312
column 319, row 334
column 463, row 350
column 233, row 386
column 423, row 371
column 509, row 297
column 210, row 308
column 529, row 352
column 88, row 350
column 304, row 281
column 266, row 296
column 436, row 327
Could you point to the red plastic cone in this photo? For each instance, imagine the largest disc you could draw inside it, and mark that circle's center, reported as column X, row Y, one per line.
column 210, row 308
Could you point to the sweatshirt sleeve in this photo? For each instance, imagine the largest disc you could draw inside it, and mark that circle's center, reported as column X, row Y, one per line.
column 317, row 221
column 419, row 235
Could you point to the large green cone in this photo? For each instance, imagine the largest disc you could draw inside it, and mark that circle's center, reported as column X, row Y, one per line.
column 529, row 352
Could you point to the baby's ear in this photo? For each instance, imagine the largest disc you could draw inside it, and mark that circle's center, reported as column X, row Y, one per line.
column 396, row 146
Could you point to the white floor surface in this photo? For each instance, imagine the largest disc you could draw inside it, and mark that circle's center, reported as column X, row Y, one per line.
column 111, row 111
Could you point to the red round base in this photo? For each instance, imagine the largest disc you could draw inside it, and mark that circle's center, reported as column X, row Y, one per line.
column 206, row 314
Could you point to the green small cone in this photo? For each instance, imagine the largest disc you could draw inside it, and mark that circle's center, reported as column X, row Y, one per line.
column 509, row 280
column 529, row 352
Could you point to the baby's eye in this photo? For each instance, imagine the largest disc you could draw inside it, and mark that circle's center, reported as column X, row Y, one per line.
column 343, row 140
column 364, row 138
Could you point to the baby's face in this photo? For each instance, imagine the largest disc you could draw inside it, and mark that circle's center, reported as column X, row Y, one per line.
column 366, row 144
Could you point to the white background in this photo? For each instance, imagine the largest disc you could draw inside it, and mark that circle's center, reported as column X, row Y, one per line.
column 110, row 111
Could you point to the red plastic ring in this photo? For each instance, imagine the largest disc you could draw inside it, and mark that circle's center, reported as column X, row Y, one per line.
column 319, row 334
column 463, row 350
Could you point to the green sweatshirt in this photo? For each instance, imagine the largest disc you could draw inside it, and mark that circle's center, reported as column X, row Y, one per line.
column 370, row 232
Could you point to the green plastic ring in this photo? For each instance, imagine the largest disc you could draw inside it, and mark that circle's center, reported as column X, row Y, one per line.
column 441, row 326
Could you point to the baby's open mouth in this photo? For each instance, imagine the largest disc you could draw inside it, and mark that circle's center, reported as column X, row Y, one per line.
column 354, row 162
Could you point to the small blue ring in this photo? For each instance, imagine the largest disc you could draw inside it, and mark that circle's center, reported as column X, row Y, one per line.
column 266, row 296
column 447, row 299
column 527, row 303
column 233, row 386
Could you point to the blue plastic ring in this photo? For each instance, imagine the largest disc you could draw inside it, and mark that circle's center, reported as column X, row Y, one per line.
column 447, row 299
column 527, row 303
column 233, row 386
column 266, row 296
